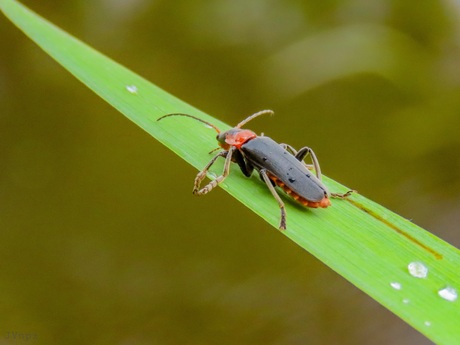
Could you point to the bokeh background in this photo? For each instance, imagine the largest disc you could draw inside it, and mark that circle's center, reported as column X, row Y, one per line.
column 102, row 241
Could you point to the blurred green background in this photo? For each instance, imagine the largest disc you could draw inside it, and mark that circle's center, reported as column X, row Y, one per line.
column 102, row 245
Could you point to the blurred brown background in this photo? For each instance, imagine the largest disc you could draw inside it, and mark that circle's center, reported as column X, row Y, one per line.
column 102, row 241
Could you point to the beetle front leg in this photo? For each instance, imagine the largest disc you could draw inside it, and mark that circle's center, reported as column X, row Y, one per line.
column 263, row 174
column 202, row 174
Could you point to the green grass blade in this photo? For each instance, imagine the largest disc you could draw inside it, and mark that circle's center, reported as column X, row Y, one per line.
column 362, row 241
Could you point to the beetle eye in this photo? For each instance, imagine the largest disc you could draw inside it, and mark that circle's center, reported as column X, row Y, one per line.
column 220, row 137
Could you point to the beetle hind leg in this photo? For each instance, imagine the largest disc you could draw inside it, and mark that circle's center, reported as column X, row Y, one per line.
column 289, row 148
column 268, row 182
column 343, row 195
column 301, row 154
column 305, row 151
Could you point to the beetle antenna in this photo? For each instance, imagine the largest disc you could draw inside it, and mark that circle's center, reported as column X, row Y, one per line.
column 217, row 148
column 191, row 116
column 253, row 116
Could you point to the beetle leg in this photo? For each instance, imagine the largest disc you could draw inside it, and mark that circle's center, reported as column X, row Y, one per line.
column 244, row 165
column 295, row 153
column 289, row 148
column 268, row 182
column 202, row 174
column 272, row 182
column 343, row 195
column 303, row 152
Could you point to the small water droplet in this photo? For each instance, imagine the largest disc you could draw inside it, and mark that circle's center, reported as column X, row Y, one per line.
column 418, row 269
column 448, row 293
column 292, row 180
column 264, row 159
column 428, row 323
column 396, row 285
column 406, row 300
column 131, row 88
column 208, row 126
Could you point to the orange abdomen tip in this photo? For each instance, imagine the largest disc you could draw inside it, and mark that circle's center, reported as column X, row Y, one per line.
column 325, row 202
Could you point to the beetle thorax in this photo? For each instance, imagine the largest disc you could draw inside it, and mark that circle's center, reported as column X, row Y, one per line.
column 235, row 137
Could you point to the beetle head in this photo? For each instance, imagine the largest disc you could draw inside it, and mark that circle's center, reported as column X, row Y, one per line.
column 235, row 137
